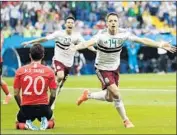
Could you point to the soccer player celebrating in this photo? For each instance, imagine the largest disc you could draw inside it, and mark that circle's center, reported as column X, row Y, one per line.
column 63, row 57
column 109, row 46
column 33, row 80
column 3, row 84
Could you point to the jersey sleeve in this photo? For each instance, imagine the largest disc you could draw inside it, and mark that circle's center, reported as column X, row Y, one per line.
column 80, row 39
column 17, row 83
column 52, row 83
column 53, row 35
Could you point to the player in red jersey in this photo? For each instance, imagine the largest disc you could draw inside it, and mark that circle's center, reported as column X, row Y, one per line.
column 3, row 84
column 33, row 81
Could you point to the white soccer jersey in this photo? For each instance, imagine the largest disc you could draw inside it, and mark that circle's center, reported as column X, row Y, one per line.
column 62, row 43
column 109, row 48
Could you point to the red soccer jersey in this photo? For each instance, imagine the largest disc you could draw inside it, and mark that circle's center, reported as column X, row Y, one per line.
column 34, row 80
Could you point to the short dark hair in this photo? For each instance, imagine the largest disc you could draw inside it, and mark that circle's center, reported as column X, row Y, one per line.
column 37, row 52
column 70, row 17
column 112, row 13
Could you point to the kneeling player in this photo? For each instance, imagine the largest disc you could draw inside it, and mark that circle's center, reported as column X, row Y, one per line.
column 33, row 80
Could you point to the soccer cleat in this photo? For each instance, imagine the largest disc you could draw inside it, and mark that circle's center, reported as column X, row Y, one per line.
column 29, row 125
column 128, row 124
column 7, row 99
column 44, row 123
column 83, row 97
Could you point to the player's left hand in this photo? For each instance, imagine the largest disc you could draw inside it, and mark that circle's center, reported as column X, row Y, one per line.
column 167, row 46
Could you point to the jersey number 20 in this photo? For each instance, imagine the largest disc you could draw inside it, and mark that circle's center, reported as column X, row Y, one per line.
column 37, row 92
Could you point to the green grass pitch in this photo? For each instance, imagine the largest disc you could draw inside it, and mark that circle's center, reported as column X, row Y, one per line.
column 150, row 101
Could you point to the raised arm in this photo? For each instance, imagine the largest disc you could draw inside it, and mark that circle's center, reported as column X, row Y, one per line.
column 83, row 45
column 148, row 42
column 91, row 48
column 38, row 40
column 42, row 39
column 80, row 42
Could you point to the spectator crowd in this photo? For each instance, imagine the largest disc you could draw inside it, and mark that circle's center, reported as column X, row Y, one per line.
column 36, row 19
column 40, row 18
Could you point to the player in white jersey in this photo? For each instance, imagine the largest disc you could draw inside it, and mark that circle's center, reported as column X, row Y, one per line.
column 63, row 57
column 109, row 46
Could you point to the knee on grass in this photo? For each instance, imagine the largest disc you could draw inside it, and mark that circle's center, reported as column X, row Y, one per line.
column 22, row 126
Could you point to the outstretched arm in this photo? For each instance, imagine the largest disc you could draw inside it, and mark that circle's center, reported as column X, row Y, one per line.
column 91, row 48
column 39, row 40
column 83, row 45
column 148, row 42
column 43, row 39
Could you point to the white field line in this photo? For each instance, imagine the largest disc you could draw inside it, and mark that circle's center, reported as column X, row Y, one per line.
column 123, row 89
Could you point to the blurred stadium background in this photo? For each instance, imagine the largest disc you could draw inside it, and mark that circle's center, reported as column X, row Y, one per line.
column 23, row 21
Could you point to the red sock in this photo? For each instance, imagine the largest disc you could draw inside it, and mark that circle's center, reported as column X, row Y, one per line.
column 20, row 126
column 5, row 88
column 51, row 124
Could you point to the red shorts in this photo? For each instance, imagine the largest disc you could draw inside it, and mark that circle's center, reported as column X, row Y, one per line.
column 58, row 66
column 108, row 77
